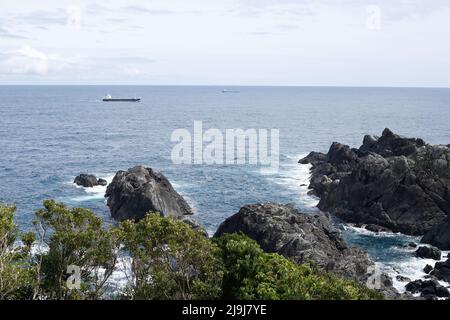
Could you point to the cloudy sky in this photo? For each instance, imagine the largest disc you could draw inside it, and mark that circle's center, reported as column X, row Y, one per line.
column 240, row 42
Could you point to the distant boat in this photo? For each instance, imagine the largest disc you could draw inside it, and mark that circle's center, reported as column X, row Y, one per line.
column 230, row 91
column 108, row 98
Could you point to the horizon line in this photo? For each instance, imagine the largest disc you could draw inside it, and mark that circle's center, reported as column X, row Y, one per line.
column 229, row 85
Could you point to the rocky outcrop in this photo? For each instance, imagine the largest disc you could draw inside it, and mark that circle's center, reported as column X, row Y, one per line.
column 393, row 182
column 89, row 181
column 442, row 270
column 102, row 182
column 303, row 238
column 135, row 192
column 427, row 269
column 439, row 235
column 428, row 253
column 428, row 289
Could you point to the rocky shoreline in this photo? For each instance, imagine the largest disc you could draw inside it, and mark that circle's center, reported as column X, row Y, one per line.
column 389, row 184
column 305, row 238
column 277, row 228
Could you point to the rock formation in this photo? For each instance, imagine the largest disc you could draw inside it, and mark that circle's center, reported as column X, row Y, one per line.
column 428, row 289
column 304, row 238
column 135, row 192
column 89, row 181
column 428, row 253
column 397, row 183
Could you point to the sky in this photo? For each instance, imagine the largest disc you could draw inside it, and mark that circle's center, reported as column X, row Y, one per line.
column 402, row 43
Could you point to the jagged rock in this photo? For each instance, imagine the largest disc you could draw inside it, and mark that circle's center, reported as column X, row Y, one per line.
column 135, row 192
column 390, row 144
column 429, row 289
column 412, row 245
column 428, row 253
column 376, row 228
column 301, row 237
column 89, row 180
column 442, row 270
column 427, row 269
column 439, row 235
column 398, row 183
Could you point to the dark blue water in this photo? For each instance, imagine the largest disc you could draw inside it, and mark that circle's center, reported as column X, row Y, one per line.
column 50, row 134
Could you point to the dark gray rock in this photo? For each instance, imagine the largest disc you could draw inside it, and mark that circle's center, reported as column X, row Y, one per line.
column 428, row 253
column 429, row 289
column 391, row 144
column 412, row 245
column 439, row 235
column 102, row 182
column 135, row 192
column 402, row 278
column 88, row 180
column 303, row 238
column 427, row 269
column 376, row 228
column 398, row 183
column 442, row 271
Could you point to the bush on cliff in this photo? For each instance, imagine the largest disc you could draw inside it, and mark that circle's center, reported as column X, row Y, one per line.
column 78, row 243
column 16, row 273
column 169, row 260
column 251, row 273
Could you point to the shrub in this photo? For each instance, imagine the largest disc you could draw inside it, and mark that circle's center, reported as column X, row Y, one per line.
column 170, row 260
column 75, row 238
column 16, row 274
column 252, row 274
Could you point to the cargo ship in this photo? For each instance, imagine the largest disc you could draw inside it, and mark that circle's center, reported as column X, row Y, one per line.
column 109, row 98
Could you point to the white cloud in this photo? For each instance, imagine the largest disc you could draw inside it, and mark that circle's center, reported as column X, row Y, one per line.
column 282, row 42
column 28, row 60
column 132, row 71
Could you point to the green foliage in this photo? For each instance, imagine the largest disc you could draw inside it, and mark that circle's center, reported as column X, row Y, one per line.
column 170, row 260
column 74, row 237
column 16, row 275
column 252, row 274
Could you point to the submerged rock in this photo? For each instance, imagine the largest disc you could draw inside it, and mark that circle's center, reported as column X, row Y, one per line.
column 402, row 278
column 135, row 192
column 89, row 181
column 393, row 182
column 304, row 238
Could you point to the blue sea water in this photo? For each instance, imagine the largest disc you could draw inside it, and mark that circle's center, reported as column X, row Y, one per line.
column 50, row 134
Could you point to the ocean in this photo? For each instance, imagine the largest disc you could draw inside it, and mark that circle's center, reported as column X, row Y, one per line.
column 50, row 134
